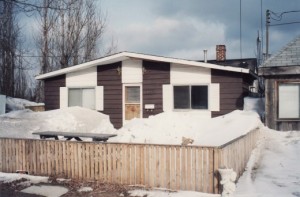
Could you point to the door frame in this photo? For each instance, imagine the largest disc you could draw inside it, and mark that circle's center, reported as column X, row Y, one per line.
column 123, row 99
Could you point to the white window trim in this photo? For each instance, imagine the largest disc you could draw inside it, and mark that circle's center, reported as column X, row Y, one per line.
column 277, row 97
column 123, row 100
column 99, row 99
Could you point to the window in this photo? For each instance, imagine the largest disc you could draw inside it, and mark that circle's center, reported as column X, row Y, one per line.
column 83, row 97
column 289, row 100
column 191, row 97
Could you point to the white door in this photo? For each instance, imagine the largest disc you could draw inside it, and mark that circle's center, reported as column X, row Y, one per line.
column 132, row 102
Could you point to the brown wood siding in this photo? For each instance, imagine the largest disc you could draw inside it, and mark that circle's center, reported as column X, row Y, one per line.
column 231, row 91
column 271, row 104
column 109, row 77
column 155, row 75
column 52, row 95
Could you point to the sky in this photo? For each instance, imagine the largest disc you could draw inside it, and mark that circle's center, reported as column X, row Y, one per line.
column 183, row 29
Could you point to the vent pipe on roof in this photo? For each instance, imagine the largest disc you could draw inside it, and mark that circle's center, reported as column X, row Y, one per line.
column 205, row 55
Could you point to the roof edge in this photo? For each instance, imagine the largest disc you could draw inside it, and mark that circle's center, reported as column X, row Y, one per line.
column 126, row 55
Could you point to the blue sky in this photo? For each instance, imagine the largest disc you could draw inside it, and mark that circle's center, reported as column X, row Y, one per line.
column 183, row 29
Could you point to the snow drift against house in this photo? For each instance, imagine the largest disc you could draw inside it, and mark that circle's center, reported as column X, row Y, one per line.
column 22, row 123
column 171, row 127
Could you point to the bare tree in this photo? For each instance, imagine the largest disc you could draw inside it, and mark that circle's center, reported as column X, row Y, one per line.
column 13, row 77
column 8, row 46
column 78, row 32
column 30, row 6
column 69, row 35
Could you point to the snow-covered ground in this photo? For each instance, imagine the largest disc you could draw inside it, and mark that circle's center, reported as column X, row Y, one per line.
column 273, row 169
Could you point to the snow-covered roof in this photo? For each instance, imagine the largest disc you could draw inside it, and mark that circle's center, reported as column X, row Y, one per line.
column 128, row 55
column 289, row 55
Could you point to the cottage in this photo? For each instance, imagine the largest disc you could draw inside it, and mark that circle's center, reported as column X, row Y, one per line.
column 131, row 85
column 282, row 88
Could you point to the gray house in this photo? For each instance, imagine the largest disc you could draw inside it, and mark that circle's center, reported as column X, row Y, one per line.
column 132, row 85
column 282, row 88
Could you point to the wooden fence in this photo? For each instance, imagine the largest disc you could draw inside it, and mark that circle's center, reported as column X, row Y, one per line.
column 166, row 166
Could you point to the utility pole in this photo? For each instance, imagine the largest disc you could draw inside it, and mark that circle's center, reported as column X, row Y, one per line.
column 267, row 32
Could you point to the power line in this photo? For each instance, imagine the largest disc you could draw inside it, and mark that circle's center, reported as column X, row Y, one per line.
column 290, row 23
column 277, row 17
column 280, row 14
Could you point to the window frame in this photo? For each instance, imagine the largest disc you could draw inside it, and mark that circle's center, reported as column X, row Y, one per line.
column 82, row 88
column 278, row 83
column 190, row 97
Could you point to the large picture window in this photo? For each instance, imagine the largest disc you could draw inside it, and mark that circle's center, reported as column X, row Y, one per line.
column 191, row 97
column 83, row 97
column 289, row 100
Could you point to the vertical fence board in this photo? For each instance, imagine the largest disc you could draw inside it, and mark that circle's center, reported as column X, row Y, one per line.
column 189, row 168
column 194, row 163
column 168, row 167
column 178, row 169
column 162, row 169
column 211, row 170
column 173, row 168
column 142, row 164
column 123, row 161
column 137, row 165
column 200, row 169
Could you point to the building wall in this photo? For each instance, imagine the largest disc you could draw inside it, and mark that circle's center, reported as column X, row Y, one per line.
column 132, row 71
column 231, row 91
column 109, row 76
column 52, row 95
column 183, row 74
column 155, row 75
column 271, row 104
column 82, row 78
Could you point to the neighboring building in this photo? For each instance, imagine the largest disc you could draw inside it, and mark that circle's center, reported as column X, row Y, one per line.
column 282, row 88
column 131, row 85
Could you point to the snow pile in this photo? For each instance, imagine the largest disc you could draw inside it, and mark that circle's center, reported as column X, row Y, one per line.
column 10, row 177
column 153, row 193
column 23, row 123
column 13, row 104
column 255, row 104
column 171, row 127
column 85, row 189
column 273, row 169
column 46, row 190
column 228, row 177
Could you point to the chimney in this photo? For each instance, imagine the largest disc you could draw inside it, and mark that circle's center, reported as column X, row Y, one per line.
column 205, row 55
column 220, row 53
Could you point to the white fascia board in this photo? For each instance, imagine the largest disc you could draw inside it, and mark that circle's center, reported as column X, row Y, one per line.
column 126, row 55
